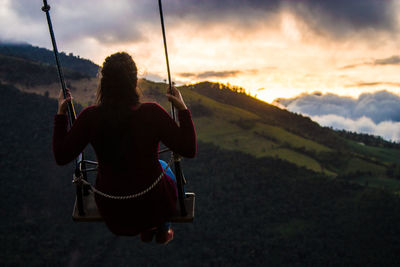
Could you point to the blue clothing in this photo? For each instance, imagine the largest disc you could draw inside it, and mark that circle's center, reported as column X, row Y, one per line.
column 165, row 226
column 168, row 171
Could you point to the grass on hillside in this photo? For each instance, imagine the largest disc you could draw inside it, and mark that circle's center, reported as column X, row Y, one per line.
column 357, row 164
column 257, row 139
column 384, row 154
column 236, row 129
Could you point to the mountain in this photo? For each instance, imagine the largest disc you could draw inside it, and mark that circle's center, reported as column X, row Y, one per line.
column 238, row 122
column 253, row 207
column 230, row 119
column 249, row 210
column 29, row 73
column 46, row 57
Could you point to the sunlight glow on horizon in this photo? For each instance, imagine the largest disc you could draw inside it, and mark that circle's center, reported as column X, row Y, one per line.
column 286, row 59
column 273, row 49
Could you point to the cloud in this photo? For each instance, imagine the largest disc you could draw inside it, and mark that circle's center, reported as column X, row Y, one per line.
column 356, row 13
column 368, row 84
column 211, row 74
column 379, row 106
column 393, row 60
column 105, row 21
column 342, row 17
column 126, row 21
column 223, row 73
column 337, row 18
column 352, row 66
column 372, row 113
column 388, row 130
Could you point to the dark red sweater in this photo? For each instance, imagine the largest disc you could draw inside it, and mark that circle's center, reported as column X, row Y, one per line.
column 149, row 125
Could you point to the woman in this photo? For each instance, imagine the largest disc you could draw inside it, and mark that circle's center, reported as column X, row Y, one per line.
column 125, row 135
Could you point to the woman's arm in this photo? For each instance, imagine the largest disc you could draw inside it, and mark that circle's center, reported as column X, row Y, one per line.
column 176, row 99
column 180, row 139
column 67, row 145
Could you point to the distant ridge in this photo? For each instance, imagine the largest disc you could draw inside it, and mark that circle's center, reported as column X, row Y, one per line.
column 28, row 73
column 227, row 117
column 296, row 123
column 43, row 55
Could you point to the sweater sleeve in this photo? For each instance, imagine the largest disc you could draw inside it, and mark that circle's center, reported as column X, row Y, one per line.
column 180, row 139
column 67, row 145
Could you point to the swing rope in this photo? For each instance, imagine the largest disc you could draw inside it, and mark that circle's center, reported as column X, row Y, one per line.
column 180, row 180
column 71, row 109
column 80, row 171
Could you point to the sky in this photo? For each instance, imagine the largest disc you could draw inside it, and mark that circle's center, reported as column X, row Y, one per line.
column 272, row 48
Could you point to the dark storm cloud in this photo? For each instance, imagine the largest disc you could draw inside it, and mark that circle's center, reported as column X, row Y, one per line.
column 329, row 17
column 121, row 20
column 340, row 17
column 220, row 10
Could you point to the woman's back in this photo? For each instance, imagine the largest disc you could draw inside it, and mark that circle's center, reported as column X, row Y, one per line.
column 125, row 135
column 128, row 161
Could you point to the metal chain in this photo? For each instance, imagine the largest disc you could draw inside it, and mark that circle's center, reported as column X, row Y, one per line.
column 174, row 157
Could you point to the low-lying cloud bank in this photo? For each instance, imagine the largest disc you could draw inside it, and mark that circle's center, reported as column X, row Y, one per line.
column 373, row 113
column 379, row 106
column 388, row 130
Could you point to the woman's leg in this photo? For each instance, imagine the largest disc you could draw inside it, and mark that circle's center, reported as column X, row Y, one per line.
column 147, row 235
column 164, row 231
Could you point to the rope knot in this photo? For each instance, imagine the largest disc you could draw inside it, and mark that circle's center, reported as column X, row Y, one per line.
column 46, row 8
column 78, row 180
column 176, row 157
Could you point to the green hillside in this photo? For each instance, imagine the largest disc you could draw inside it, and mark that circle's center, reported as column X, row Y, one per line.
column 46, row 57
column 230, row 119
column 249, row 210
column 27, row 73
column 272, row 187
column 235, row 121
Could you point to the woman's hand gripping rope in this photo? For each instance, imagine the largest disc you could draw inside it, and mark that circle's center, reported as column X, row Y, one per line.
column 176, row 99
column 63, row 102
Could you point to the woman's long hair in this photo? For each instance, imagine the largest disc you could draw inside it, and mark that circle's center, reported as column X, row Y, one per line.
column 118, row 82
column 116, row 96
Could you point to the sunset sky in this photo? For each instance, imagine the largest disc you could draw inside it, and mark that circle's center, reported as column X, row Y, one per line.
column 272, row 48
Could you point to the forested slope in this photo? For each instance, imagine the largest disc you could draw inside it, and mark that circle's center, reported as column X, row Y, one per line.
column 228, row 118
column 235, row 121
column 28, row 73
column 46, row 57
column 249, row 211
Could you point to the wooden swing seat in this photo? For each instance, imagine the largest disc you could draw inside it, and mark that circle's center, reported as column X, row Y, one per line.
column 91, row 213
